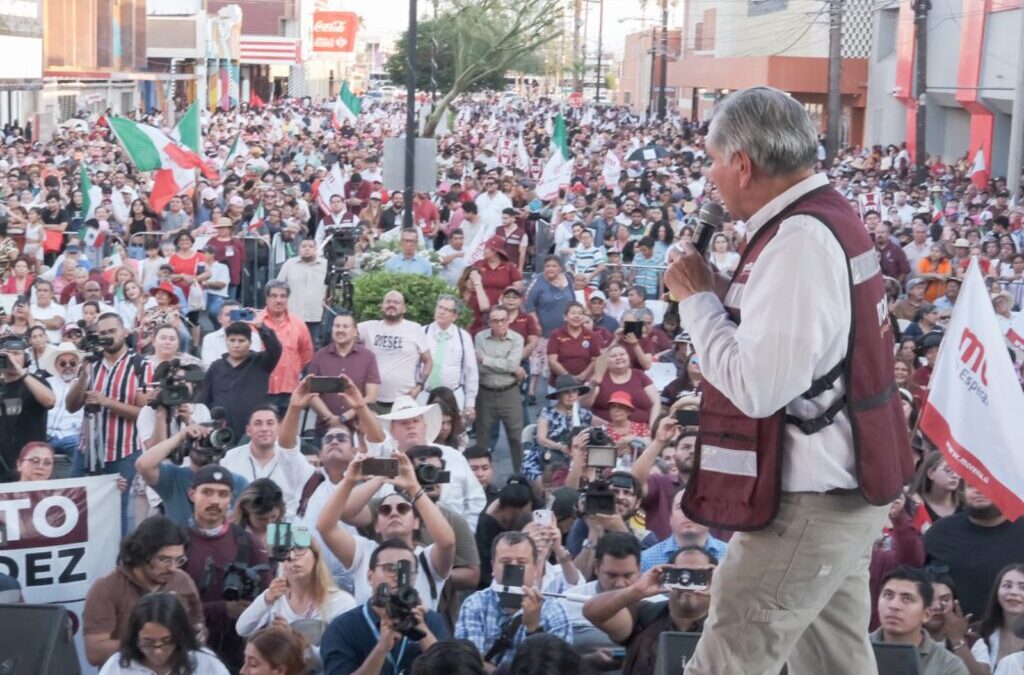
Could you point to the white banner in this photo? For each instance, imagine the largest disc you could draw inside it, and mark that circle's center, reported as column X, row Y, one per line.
column 612, row 170
column 332, row 184
column 974, row 401
column 59, row 537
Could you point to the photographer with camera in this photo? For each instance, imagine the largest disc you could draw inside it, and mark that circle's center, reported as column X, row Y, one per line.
column 498, row 619
column 172, row 405
column 226, row 563
column 24, row 401
column 163, row 469
column 110, row 388
column 630, row 617
column 398, row 516
column 385, row 634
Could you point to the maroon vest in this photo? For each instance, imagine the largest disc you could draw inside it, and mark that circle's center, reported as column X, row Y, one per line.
column 737, row 478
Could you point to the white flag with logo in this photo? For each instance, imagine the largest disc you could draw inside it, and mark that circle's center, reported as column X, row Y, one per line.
column 612, row 170
column 1015, row 333
column 332, row 184
column 975, row 400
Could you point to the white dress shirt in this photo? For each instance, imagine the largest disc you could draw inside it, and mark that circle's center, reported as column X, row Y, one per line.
column 59, row 422
column 490, row 208
column 795, row 326
column 283, row 469
column 458, row 367
column 463, row 494
column 215, row 345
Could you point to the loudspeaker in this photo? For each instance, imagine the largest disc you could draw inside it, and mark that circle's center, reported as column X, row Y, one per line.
column 37, row 640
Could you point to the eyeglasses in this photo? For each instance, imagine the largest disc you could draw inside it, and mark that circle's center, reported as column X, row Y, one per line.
column 154, row 645
column 39, row 461
column 401, row 509
column 446, row 308
column 339, row 437
column 66, row 363
column 167, row 561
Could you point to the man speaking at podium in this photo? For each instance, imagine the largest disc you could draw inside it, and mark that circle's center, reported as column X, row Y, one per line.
column 802, row 442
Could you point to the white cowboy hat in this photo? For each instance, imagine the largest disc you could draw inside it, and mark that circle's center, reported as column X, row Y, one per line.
column 48, row 361
column 405, row 407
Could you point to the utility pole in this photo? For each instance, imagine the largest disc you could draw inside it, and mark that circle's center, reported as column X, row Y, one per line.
column 1013, row 165
column 600, row 46
column 577, row 24
column 654, row 52
column 921, row 8
column 662, row 103
column 410, row 114
column 835, row 94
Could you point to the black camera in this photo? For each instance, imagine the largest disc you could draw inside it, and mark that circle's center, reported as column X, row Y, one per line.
column 220, row 439
column 599, row 498
column 92, row 344
column 343, row 241
column 242, row 582
column 399, row 605
column 428, row 474
column 513, row 578
column 597, row 436
column 173, row 380
column 5, row 361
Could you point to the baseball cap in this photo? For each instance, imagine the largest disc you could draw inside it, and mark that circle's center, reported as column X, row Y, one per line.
column 212, row 473
column 512, row 290
column 596, row 295
column 209, row 193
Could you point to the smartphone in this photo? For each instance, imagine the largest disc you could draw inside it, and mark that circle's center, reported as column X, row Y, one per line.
column 288, row 536
column 380, row 467
column 242, row 314
column 634, row 327
column 687, row 418
column 544, row 517
column 601, row 457
column 513, row 576
column 685, row 578
column 327, row 385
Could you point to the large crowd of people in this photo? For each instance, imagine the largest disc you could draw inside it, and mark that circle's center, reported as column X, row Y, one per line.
column 308, row 491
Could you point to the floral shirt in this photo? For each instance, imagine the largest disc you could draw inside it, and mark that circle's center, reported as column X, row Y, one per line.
column 559, row 425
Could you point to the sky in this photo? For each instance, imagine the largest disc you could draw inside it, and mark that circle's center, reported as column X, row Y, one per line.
column 383, row 16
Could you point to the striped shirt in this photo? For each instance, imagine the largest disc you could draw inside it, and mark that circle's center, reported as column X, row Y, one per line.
column 585, row 260
column 118, row 436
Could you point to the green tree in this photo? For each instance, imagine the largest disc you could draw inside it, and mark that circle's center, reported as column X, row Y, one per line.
column 479, row 41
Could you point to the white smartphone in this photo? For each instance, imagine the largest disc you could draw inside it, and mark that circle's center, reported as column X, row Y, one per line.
column 544, row 517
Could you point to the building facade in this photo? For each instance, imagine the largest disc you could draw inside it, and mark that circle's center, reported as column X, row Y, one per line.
column 973, row 51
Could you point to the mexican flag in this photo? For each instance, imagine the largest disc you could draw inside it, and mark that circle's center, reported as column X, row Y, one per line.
column 188, row 131
column 258, row 216
column 91, row 194
column 558, row 170
column 152, row 150
column 347, row 107
column 238, row 149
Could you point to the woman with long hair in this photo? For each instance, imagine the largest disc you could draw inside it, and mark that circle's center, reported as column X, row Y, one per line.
column 304, row 591
column 937, row 489
column 22, row 276
column 167, row 346
column 20, row 321
column 132, row 305
column 452, row 429
column 276, row 651
column 722, row 256
column 159, row 640
column 40, row 351
column 1005, row 607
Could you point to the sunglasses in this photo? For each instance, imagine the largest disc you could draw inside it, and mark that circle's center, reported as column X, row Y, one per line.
column 339, row 437
column 66, row 363
column 387, row 509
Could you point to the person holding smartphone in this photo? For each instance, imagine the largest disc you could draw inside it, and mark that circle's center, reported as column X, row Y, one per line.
column 630, row 619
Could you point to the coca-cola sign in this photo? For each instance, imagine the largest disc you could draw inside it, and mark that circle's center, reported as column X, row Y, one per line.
column 334, row 32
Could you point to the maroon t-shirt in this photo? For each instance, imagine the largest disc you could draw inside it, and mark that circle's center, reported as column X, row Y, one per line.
column 634, row 387
column 647, row 344
column 574, row 354
column 513, row 238
column 525, row 325
column 495, row 281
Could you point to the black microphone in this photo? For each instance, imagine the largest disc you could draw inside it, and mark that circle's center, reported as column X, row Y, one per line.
column 710, row 221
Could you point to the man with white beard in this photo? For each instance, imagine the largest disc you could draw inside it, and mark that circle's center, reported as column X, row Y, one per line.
column 63, row 427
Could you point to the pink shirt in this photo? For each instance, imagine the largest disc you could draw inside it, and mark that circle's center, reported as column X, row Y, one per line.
column 296, row 351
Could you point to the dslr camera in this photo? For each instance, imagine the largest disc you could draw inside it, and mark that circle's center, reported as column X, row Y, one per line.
column 242, row 582
column 173, row 379
column 599, row 498
column 92, row 344
column 399, row 605
column 428, row 474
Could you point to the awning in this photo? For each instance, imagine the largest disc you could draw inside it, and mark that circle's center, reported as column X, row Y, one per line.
column 268, row 50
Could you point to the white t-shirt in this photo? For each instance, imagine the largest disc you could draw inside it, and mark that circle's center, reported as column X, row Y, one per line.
column 397, row 347
column 361, row 567
column 215, row 345
column 206, row 664
column 1011, row 665
column 453, row 270
column 282, row 469
column 146, row 420
column 219, row 273
column 46, row 313
column 260, row 614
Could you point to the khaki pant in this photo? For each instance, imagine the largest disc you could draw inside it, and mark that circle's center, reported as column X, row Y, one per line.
column 796, row 591
column 504, row 406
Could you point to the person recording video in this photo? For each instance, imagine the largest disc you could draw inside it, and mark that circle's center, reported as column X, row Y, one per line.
column 24, row 401
column 385, row 634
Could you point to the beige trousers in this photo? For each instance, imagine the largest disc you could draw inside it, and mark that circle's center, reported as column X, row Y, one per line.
column 796, row 591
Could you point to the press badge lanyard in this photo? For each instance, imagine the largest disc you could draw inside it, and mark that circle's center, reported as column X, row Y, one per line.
column 376, row 634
